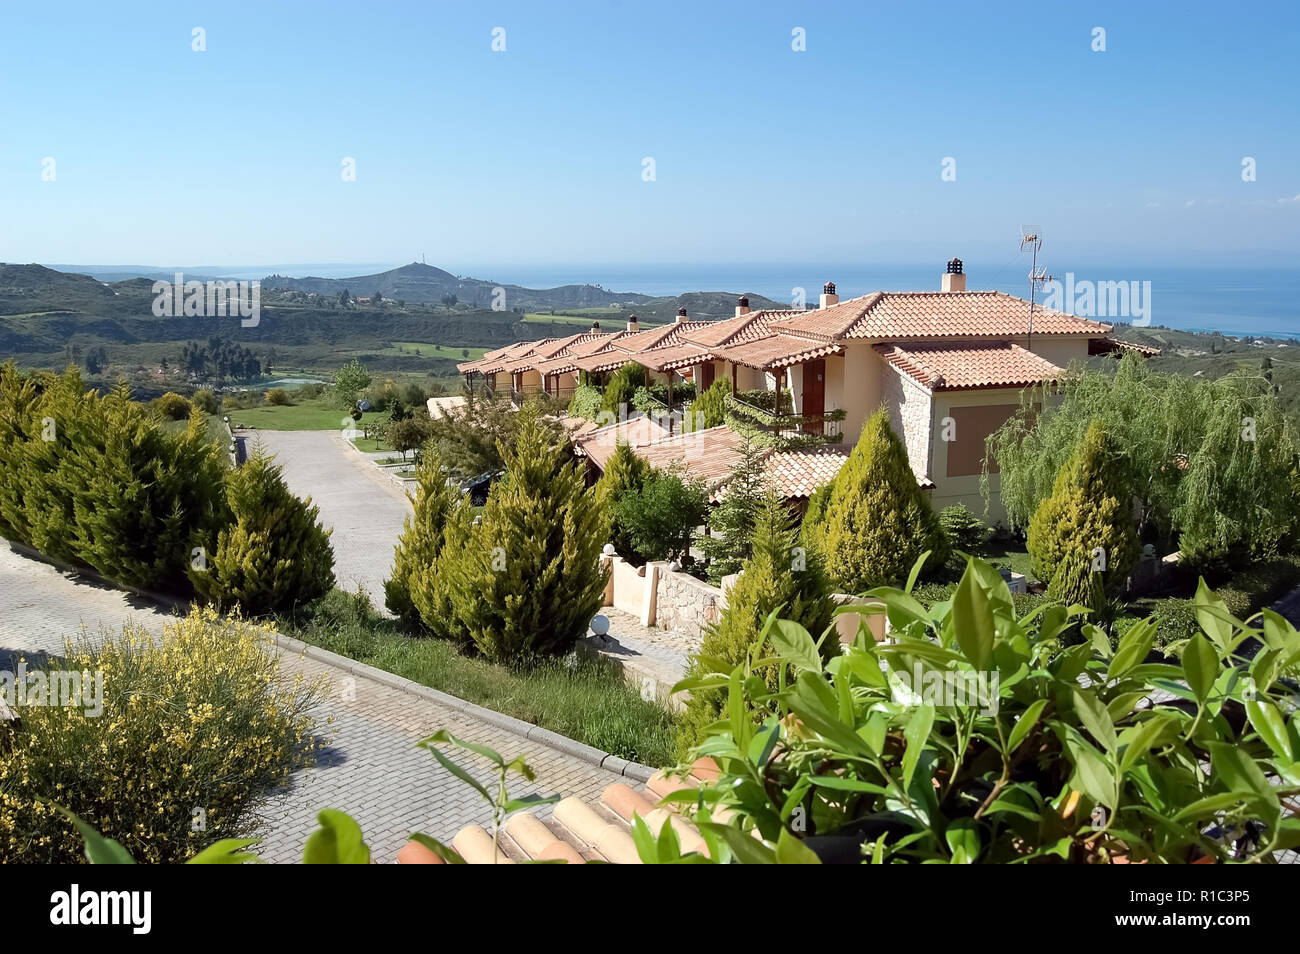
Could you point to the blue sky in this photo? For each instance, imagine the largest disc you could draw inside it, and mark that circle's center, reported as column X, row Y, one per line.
column 762, row 154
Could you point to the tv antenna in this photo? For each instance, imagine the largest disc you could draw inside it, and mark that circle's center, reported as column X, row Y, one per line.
column 1031, row 237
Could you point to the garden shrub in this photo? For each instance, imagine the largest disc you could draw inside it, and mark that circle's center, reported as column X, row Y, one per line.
column 278, row 397
column 585, row 402
column 779, row 575
column 877, row 519
column 205, row 401
column 422, row 537
column 1088, row 517
column 660, row 518
column 528, row 580
column 625, row 473
column 171, row 406
column 621, row 387
column 851, row 765
column 195, row 719
column 275, row 554
column 97, row 480
column 965, row 531
column 710, row 408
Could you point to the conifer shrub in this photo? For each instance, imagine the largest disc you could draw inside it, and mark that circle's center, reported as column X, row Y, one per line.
column 622, row 387
column 97, row 480
column 528, row 579
column 779, row 575
column 275, row 554
column 877, row 519
column 205, row 401
column 965, row 531
column 730, row 539
column 1083, row 539
column 710, row 408
column 625, row 474
column 422, row 537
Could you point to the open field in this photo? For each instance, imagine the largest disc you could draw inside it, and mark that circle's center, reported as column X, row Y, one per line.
column 316, row 415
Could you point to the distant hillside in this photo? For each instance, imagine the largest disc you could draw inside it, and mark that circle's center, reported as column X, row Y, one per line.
column 424, row 283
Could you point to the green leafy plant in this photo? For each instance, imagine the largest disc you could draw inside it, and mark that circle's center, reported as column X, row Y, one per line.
column 1069, row 756
column 779, row 577
column 659, row 519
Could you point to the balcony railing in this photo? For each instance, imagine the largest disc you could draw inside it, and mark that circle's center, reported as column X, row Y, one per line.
column 756, row 413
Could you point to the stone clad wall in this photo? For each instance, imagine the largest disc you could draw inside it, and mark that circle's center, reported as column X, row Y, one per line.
column 909, row 416
column 684, row 604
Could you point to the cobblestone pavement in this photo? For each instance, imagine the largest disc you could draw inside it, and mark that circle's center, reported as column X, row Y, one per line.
column 368, row 764
column 365, row 507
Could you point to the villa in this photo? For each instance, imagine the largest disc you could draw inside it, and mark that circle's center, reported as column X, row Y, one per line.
column 948, row 365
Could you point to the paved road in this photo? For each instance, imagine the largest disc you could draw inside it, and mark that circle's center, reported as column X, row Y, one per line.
column 365, row 507
column 368, row 765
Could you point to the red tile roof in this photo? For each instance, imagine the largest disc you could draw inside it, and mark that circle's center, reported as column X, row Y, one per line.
column 980, row 314
column 777, row 351
column 967, row 366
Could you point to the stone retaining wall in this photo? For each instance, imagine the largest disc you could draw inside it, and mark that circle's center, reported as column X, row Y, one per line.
column 684, row 604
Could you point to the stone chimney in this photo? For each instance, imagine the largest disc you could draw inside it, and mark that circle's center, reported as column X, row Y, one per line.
column 828, row 295
column 633, row 324
column 742, row 306
column 681, row 315
column 954, row 279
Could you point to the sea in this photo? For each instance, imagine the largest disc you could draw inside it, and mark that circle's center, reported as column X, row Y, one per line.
column 1231, row 301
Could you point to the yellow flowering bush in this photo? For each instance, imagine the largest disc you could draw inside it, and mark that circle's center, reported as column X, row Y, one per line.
column 195, row 724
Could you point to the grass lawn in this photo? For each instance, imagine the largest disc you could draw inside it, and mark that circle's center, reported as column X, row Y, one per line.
column 368, row 445
column 560, row 319
column 317, row 415
column 588, row 701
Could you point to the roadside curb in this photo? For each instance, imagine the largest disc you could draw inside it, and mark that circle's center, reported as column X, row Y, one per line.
column 526, row 730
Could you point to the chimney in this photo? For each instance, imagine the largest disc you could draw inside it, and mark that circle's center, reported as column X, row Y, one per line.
column 633, row 324
column 954, row 279
column 742, row 306
column 595, row 327
column 681, row 315
column 828, row 295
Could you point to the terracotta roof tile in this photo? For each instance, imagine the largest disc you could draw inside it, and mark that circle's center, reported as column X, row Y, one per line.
column 777, row 351
column 956, row 367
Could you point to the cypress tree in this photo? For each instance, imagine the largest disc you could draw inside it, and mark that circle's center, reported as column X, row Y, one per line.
column 626, row 473
column 1086, row 524
column 779, row 574
column 528, row 579
column 275, row 555
column 877, row 521
column 730, row 539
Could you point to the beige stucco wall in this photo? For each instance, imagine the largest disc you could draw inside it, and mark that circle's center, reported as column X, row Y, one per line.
column 859, row 373
column 965, row 490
